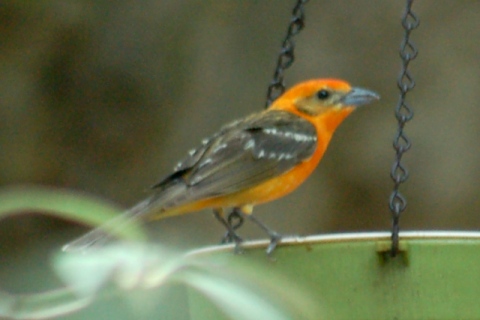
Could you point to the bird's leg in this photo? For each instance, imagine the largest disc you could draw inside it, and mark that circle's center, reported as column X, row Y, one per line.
column 232, row 224
column 275, row 237
column 229, row 224
column 231, row 235
column 234, row 215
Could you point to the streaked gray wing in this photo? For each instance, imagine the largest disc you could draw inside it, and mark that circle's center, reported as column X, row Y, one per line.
column 241, row 155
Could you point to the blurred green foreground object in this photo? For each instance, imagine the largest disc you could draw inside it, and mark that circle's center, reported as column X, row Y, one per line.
column 65, row 204
column 343, row 276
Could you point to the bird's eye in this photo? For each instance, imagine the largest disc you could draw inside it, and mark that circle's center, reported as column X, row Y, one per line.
column 323, row 94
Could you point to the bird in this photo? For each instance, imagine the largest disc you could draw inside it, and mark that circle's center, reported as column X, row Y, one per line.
column 251, row 161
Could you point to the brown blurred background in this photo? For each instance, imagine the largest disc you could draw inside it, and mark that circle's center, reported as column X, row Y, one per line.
column 105, row 97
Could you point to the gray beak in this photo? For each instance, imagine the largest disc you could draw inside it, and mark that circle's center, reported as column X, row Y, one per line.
column 359, row 97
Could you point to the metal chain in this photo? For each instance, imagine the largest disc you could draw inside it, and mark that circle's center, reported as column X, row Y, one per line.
column 286, row 56
column 277, row 86
column 403, row 113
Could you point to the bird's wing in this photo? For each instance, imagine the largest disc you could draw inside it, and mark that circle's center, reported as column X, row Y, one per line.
column 241, row 155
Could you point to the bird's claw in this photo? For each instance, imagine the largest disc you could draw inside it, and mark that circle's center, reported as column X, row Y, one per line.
column 238, row 248
column 275, row 239
column 230, row 237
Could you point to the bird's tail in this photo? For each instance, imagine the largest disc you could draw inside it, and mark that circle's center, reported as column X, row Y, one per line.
column 172, row 193
column 101, row 235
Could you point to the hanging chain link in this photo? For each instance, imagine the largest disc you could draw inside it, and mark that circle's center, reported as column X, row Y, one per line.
column 286, row 56
column 403, row 113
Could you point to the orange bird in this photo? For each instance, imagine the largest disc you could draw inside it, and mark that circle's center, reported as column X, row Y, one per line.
column 254, row 160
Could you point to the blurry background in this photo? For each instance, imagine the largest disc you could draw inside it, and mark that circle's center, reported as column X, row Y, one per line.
column 104, row 97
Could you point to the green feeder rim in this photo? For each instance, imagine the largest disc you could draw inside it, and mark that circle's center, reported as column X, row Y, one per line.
column 380, row 237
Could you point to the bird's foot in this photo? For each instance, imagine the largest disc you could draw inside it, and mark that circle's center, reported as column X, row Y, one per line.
column 230, row 237
column 275, row 239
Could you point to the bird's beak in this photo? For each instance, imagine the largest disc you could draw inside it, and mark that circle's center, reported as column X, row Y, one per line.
column 359, row 97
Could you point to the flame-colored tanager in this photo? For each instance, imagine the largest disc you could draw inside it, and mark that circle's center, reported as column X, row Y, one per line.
column 253, row 160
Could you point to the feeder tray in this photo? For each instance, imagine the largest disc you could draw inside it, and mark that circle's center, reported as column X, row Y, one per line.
column 352, row 276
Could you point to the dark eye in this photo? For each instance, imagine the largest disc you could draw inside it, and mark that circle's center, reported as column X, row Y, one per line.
column 323, row 94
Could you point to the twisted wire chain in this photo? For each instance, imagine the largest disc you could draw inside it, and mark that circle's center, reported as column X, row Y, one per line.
column 286, row 56
column 403, row 113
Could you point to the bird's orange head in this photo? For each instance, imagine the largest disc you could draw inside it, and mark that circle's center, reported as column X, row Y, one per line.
column 328, row 101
